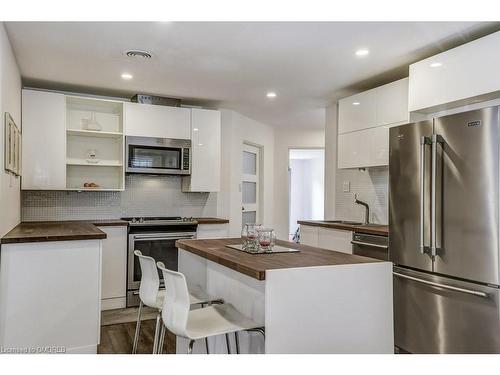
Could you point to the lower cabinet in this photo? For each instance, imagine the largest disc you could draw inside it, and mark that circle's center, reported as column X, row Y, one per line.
column 309, row 235
column 326, row 238
column 207, row 231
column 114, row 268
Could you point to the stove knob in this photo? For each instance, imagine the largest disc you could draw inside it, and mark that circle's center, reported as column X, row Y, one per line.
column 141, row 220
column 134, row 220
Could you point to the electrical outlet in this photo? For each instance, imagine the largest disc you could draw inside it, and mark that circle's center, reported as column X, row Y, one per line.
column 346, row 186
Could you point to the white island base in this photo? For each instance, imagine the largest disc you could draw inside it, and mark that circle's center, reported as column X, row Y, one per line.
column 327, row 309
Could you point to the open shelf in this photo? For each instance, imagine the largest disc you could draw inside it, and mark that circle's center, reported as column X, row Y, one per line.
column 93, row 133
column 107, row 144
column 100, row 163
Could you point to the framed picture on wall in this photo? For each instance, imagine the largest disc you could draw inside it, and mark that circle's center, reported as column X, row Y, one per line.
column 12, row 146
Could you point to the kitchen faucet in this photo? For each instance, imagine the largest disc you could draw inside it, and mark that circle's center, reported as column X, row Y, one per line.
column 367, row 207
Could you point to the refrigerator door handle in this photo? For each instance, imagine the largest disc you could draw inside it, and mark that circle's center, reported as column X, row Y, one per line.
column 423, row 142
column 434, row 142
column 443, row 286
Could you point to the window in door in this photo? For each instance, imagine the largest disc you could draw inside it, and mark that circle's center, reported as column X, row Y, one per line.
column 250, row 185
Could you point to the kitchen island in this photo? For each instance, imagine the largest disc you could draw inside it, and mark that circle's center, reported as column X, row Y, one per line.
column 311, row 301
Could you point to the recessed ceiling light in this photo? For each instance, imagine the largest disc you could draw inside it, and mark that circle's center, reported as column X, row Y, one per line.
column 435, row 65
column 195, row 129
column 271, row 94
column 362, row 52
column 127, row 76
column 356, row 103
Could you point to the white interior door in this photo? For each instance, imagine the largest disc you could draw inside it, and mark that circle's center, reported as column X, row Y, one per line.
column 250, row 184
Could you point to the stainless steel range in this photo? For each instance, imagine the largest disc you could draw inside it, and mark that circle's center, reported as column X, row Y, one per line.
column 154, row 237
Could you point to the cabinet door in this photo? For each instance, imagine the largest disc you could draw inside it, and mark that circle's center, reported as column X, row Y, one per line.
column 364, row 148
column 206, row 231
column 147, row 120
column 114, row 265
column 335, row 239
column 206, row 152
column 308, row 235
column 459, row 76
column 44, row 141
column 392, row 103
column 357, row 112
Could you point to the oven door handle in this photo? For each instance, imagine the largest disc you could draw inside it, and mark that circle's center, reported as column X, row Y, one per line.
column 172, row 236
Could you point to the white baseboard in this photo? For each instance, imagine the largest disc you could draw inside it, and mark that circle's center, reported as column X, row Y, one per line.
column 113, row 303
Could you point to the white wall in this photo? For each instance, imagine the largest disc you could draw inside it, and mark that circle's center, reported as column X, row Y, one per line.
column 236, row 130
column 10, row 101
column 287, row 139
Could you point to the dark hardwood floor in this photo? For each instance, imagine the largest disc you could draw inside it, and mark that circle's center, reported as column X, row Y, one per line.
column 118, row 339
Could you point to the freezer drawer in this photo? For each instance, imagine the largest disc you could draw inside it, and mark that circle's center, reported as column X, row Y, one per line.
column 433, row 314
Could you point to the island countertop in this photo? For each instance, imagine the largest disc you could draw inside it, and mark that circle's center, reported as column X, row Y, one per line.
column 256, row 265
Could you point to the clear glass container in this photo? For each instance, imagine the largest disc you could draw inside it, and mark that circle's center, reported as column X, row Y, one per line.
column 249, row 235
column 266, row 239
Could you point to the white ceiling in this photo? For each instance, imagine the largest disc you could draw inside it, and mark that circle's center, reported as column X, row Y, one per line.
column 232, row 65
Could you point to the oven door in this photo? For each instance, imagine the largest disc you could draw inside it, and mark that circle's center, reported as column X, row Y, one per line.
column 160, row 246
column 158, row 156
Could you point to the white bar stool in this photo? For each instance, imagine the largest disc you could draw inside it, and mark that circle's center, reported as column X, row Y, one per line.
column 151, row 295
column 201, row 323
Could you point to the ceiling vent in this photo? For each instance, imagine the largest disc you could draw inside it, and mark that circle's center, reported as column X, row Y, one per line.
column 138, row 53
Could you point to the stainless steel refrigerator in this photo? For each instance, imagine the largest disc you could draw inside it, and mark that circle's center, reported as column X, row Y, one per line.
column 444, row 233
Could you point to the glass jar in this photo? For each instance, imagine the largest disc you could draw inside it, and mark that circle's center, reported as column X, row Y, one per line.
column 266, row 239
column 249, row 236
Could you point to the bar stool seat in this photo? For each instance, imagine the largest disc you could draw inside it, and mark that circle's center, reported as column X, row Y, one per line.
column 196, row 297
column 217, row 320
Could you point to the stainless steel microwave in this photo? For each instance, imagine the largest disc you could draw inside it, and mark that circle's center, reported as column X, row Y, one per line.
column 158, row 155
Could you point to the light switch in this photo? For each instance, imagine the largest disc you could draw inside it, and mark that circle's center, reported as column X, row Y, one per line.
column 346, row 186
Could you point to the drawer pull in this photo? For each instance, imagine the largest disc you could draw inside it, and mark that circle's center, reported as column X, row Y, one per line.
column 369, row 244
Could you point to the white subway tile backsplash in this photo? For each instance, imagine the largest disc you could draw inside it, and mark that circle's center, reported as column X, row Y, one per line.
column 371, row 186
column 144, row 195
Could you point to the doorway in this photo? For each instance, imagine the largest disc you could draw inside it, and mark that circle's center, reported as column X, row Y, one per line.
column 306, row 176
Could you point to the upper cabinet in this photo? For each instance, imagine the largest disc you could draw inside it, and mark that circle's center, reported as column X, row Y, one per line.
column 364, row 120
column 384, row 105
column 44, row 141
column 206, row 152
column 457, row 77
column 357, row 112
column 146, row 120
column 71, row 143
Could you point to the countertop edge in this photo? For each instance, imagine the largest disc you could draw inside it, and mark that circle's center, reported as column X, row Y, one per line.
column 347, row 227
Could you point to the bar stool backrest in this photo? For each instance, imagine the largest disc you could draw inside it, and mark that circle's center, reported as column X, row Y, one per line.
column 176, row 306
column 150, row 281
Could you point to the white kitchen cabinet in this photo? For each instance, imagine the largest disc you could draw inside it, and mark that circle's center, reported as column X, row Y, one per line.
column 457, row 77
column 114, row 267
column 357, row 112
column 206, row 231
column 44, row 141
column 308, row 235
column 392, row 103
column 206, row 152
column 364, row 148
column 335, row 239
column 147, row 120
column 381, row 106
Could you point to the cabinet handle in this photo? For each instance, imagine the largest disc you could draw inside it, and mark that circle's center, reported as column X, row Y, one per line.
column 369, row 244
